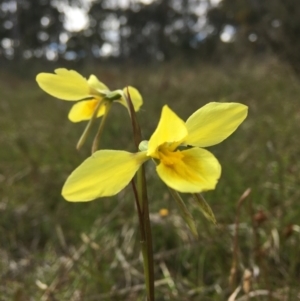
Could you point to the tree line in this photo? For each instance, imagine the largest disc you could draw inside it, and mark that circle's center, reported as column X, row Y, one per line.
column 158, row 30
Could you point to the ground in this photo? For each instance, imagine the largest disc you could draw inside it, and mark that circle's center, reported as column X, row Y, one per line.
column 54, row 250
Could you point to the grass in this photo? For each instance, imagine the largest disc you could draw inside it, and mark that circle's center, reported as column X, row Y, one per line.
column 54, row 250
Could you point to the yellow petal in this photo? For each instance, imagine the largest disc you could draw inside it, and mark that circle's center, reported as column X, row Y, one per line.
column 197, row 171
column 214, row 122
column 65, row 84
column 105, row 173
column 96, row 85
column 135, row 97
column 171, row 130
column 84, row 110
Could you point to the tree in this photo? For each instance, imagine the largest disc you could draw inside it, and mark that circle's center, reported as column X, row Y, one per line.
column 30, row 25
column 270, row 24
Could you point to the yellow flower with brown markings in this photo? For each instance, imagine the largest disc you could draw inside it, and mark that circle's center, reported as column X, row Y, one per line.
column 176, row 147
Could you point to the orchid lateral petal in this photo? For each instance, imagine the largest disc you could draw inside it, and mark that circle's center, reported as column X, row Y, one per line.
column 135, row 97
column 96, row 85
column 103, row 174
column 84, row 110
column 198, row 170
column 214, row 122
column 65, row 84
column 171, row 130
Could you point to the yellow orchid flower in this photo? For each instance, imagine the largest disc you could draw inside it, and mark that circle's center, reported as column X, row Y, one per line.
column 185, row 169
column 71, row 86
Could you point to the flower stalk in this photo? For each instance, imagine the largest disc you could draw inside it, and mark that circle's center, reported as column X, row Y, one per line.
column 143, row 209
column 145, row 232
column 96, row 140
column 88, row 127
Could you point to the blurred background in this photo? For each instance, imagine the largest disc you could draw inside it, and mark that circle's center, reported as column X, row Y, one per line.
column 184, row 53
column 140, row 31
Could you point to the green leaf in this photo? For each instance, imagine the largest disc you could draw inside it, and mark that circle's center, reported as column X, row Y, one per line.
column 204, row 207
column 186, row 215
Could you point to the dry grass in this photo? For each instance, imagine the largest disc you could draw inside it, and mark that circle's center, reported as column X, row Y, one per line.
column 54, row 250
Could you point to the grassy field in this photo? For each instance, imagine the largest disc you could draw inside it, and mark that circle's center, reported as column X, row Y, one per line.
column 54, row 250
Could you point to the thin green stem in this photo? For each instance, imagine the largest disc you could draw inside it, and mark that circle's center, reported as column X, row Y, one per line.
column 96, row 140
column 140, row 189
column 143, row 208
column 146, row 235
column 89, row 126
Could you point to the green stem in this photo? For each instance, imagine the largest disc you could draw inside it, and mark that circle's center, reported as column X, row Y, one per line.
column 143, row 207
column 89, row 126
column 101, row 127
column 146, row 235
